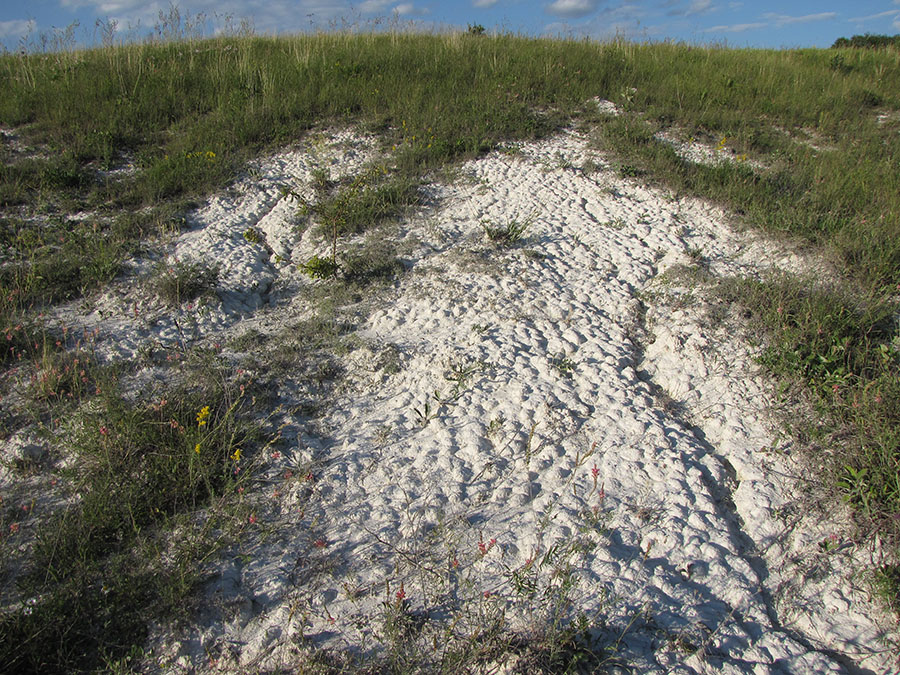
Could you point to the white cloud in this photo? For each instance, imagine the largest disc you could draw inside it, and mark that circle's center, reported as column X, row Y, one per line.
column 409, row 9
column 484, row 4
column 107, row 6
column 572, row 8
column 694, row 7
column 373, row 6
column 735, row 28
column 698, row 6
column 627, row 21
column 783, row 19
column 16, row 28
column 890, row 12
column 140, row 17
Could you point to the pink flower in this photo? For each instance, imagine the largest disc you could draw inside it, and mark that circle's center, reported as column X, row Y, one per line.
column 401, row 594
column 484, row 548
column 320, row 543
column 104, row 431
column 486, row 594
column 595, row 472
column 252, row 519
column 13, row 528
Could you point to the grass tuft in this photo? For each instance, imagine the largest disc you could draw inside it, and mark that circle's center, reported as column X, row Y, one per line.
column 185, row 280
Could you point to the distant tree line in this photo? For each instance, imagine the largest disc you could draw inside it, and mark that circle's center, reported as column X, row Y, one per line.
column 868, row 41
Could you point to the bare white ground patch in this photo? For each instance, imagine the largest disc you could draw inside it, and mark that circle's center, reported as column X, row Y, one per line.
column 607, row 107
column 248, row 232
column 688, row 149
column 701, row 153
column 892, row 117
column 809, row 567
column 520, row 462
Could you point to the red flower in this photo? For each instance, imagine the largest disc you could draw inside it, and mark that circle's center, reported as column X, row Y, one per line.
column 484, row 548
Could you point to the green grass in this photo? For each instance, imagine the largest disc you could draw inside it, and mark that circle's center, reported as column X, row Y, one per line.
column 188, row 114
column 506, row 234
column 182, row 281
column 131, row 545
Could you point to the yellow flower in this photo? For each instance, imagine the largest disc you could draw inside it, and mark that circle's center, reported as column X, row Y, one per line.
column 197, row 448
column 202, row 415
column 237, row 455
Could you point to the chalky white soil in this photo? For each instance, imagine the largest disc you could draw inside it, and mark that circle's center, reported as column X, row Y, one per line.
column 588, row 345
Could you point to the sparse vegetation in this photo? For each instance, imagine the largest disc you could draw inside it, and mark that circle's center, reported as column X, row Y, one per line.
column 184, row 280
column 508, row 233
column 158, row 478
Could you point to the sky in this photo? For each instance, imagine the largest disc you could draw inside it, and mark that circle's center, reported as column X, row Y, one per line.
column 760, row 23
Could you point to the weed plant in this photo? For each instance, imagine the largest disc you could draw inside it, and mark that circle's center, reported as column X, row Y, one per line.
column 149, row 480
column 507, row 234
column 183, row 280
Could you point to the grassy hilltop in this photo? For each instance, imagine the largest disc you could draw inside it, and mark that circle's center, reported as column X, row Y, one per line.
column 189, row 114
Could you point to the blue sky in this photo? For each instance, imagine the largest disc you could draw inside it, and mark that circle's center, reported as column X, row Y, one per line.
column 760, row 23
